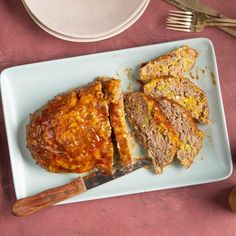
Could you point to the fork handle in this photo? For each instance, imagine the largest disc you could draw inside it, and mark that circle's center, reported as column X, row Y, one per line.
column 228, row 30
column 220, row 24
column 222, row 20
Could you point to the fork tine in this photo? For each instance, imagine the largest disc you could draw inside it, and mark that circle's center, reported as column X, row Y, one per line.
column 178, row 26
column 185, row 30
column 181, row 16
column 179, row 19
column 168, row 21
column 182, row 12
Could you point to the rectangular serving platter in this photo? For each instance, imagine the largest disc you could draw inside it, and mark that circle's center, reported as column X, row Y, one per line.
column 26, row 88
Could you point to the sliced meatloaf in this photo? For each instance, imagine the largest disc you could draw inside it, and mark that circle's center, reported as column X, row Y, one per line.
column 182, row 91
column 72, row 132
column 152, row 129
column 191, row 137
column 114, row 97
column 174, row 64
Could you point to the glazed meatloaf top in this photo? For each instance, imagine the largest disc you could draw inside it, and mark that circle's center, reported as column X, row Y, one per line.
column 174, row 64
column 152, row 129
column 114, row 97
column 72, row 133
column 191, row 137
column 182, row 91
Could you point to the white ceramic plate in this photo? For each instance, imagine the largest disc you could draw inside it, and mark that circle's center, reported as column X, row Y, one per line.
column 26, row 88
column 112, row 33
column 84, row 18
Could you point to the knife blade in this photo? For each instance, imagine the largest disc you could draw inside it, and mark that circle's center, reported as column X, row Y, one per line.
column 29, row 205
column 198, row 6
column 178, row 5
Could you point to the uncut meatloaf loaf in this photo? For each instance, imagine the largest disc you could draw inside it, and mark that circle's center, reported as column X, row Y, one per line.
column 72, row 133
column 173, row 64
column 182, row 91
column 152, row 129
column 191, row 137
column 114, row 97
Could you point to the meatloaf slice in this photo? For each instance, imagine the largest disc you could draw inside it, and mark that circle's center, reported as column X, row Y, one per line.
column 72, row 132
column 152, row 129
column 114, row 97
column 174, row 64
column 191, row 137
column 182, row 91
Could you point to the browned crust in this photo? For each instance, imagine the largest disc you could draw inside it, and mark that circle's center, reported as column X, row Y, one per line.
column 174, row 64
column 72, row 133
column 112, row 91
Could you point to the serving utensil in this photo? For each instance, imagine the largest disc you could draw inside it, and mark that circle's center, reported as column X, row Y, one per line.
column 198, row 6
column 29, row 205
column 194, row 22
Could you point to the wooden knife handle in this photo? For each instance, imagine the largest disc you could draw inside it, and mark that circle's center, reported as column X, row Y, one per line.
column 29, row 205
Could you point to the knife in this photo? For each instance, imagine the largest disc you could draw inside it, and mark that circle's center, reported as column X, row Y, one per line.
column 29, row 205
column 196, row 5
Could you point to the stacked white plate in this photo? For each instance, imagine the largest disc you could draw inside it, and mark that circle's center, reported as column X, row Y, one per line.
column 85, row 20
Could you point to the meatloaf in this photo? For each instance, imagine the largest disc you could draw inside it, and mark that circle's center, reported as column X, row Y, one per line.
column 152, row 129
column 191, row 137
column 173, row 64
column 72, row 133
column 114, row 97
column 182, row 91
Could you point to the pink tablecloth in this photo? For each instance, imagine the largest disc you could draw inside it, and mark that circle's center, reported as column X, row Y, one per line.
column 197, row 210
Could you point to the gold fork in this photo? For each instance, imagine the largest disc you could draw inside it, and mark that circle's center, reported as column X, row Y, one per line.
column 194, row 21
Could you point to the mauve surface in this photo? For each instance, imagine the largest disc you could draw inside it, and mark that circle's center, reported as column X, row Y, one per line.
column 197, row 210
